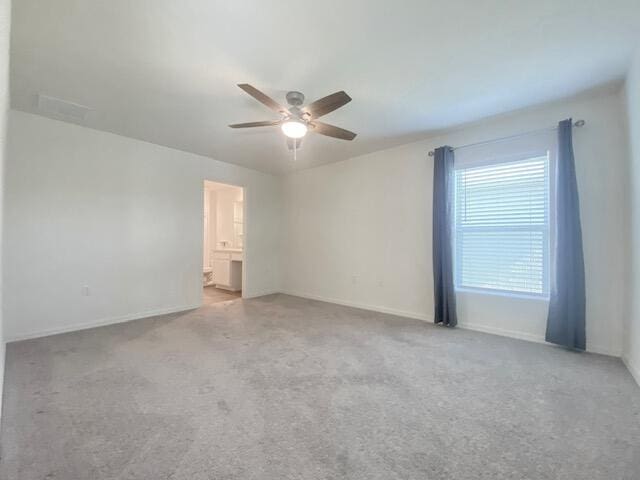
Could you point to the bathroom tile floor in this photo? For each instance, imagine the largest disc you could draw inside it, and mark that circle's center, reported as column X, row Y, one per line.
column 216, row 295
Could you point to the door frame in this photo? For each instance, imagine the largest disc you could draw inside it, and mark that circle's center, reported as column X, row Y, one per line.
column 245, row 236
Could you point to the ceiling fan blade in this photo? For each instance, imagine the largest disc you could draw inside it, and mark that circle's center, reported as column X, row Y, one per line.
column 267, row 123
column 290, row 143
column 327, row 104
column 264, row 99
column 332, row 131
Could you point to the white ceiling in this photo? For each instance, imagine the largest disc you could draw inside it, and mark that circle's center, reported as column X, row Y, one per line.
column 166, row 71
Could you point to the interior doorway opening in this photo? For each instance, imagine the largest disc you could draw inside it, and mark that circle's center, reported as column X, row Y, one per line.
column 223, row 242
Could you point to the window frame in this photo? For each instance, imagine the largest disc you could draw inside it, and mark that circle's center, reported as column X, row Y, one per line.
column 546, row 148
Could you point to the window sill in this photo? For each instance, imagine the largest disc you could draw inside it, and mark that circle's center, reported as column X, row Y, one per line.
column 502, row 293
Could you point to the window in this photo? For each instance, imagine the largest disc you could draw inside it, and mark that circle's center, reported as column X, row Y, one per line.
column 502, row 226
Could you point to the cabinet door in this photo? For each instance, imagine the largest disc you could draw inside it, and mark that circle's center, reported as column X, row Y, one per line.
column 222, row 272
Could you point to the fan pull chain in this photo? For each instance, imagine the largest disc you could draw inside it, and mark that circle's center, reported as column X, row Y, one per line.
column 295, row 149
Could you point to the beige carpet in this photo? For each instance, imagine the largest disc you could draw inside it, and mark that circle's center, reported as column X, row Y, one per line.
column 285, row 388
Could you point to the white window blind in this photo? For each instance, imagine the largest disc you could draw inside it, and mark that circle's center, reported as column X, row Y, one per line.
column 502, row 227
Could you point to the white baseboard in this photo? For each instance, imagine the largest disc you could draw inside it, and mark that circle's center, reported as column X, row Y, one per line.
column 635, row 371
column 101, row 323
column 119, row 319
column 529, row 337
column 373, row 308
column 259, row 293
column 429, row 318
column 633, row 368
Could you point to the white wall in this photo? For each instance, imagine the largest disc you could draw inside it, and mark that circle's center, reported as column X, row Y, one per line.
column 225, row 232
column 5, row 23
column 124, row 217
column 632, row 344
column 85, row 207
column 358, row 232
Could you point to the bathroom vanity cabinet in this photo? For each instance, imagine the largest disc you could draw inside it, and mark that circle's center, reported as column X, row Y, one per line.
column 227, row 269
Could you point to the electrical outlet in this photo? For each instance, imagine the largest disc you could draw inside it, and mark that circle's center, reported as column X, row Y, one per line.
column 85, row 291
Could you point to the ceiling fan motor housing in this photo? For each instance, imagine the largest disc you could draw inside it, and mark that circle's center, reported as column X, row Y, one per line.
column 295, row 98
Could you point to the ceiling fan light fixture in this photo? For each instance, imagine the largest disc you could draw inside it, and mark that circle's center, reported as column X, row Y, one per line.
column 296, row 120
column 294, row 129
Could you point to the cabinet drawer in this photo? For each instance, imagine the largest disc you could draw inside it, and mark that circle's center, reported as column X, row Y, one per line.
column 236, row 257
column 221, row 256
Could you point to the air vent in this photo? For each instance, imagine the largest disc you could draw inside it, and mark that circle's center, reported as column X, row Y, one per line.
column 62, row 108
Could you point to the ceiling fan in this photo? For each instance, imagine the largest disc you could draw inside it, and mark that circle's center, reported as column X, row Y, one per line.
column 297, row 120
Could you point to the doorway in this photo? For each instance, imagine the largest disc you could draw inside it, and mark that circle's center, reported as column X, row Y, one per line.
column 223, row 242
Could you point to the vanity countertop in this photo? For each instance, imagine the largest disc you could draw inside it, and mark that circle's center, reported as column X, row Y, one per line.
column 228, row 250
